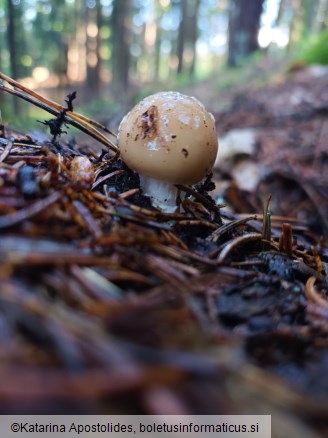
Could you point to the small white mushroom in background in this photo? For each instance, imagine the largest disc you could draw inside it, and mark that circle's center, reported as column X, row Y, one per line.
column 168, row 138
column 81, row 169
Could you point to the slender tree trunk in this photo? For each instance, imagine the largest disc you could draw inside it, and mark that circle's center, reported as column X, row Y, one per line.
column 157, row 59
column 12, row 45
column 12, row 40
column 150, row 37
column 59, row 40
column 92, row 47
column 81, row 51
column 244, row 22
column 158, row 40
column 193, row 37
column 309, row 10
column 187, row 36
column 99, row 20
column 121, row 16
column 280, row 13
column 325, row 20
column 295, row 26
column 182, row 34
column 1, row 49
column 322, row 11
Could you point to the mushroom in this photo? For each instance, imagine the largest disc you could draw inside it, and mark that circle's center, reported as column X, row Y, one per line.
column 81, row 169
column 168, row 138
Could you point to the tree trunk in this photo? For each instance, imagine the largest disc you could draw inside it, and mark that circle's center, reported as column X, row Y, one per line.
column 322, row 17
column 93, row 47
column 182, row 34
column 1, row 49
column 280, row 13
column 295, row 26
column 157, row 60
column 121, row 16
column 309, row 10
column 79, row 66
column 244, row 22
column 59, row 40
column 193, row 37
column 99, row 20
column 187, row 37
column 13, row 55
column 12, row 43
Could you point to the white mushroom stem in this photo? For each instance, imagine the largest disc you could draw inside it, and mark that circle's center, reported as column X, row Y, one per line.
column 162, row 193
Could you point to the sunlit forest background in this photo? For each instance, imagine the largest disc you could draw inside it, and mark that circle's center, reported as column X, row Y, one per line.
column 113, row 52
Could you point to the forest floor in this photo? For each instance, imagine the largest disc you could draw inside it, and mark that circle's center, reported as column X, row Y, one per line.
column 110, row 306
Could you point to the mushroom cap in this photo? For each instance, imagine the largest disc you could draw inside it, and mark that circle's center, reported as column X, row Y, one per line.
column 170, row 137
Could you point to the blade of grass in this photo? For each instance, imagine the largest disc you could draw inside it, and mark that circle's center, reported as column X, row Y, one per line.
column 266, row 232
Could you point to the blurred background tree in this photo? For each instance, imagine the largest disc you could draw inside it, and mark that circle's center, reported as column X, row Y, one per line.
column 244, row 25
column 122, row 49
column 121, row 42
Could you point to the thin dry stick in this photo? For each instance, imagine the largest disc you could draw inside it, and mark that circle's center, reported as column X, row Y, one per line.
column 87, row 129
column 53, row 104
column 128, row 193
column 286, row 239
column 228, row 227
column 198, row 222
column 6, row 151
column 190, row 191
column 81, row 122
column 233, row 244
column 275, row 218
column 105, row 178
column 15, row 218
column 313, row 295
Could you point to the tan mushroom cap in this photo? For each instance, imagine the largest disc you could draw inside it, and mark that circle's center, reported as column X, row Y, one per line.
column 170, row 137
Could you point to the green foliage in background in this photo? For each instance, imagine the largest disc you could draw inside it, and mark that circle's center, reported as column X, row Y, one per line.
column 315, row 49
